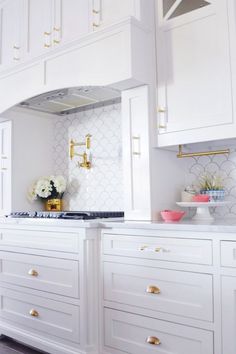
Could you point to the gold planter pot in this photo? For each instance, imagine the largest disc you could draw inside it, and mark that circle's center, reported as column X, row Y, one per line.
column 53, row 205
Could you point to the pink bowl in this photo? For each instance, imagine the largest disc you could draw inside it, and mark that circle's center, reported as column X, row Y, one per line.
column 172, row 215
column 203, row 198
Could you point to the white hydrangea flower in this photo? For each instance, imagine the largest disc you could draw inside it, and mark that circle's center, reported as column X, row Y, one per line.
column 60, row 184
column 43, row 187
column 32, row 195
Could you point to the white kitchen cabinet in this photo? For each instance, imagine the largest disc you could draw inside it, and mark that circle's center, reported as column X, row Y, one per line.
column 48, row 294
column 135, row 334
column 62, row 21
column 40, row 23
column 12, row 35
column 194, row 71
column 229, row 314
column 72, row 19
column 136, row 159
column 107, row 12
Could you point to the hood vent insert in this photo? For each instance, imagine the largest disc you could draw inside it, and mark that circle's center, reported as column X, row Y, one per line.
column 71, row 100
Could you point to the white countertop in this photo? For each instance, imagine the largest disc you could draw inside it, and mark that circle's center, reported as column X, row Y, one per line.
column 220, row 225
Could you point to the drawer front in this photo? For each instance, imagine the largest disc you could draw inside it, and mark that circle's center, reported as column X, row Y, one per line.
column 174, row 292
column 228, row 253
column 158, row 248
column 52, row 241
column 131, row 333
column 44, row 315
column 53, row 275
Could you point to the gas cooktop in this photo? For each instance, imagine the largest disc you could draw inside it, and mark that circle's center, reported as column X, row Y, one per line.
column 70, row 215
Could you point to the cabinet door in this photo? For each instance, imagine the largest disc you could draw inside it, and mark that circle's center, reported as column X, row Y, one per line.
column 136, row 159
column 229, row 314
column 107, row 11
column 11, row 17
column 193, row 60
column 5, row 168
column 40, row 19
column 71, row 20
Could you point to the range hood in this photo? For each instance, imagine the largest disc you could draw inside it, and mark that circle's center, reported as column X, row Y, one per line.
column 71, row 100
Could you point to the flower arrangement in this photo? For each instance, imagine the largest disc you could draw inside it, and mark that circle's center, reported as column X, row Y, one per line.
column 213, row 186
column 48, row 188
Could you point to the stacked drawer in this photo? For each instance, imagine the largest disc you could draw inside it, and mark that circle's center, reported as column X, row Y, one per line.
column 39, row 281
column 134, row 279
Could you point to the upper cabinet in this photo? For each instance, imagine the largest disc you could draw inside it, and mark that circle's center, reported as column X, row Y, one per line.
column 61, row 22
column 194, row 71
column 106, row 12
column 12, row 42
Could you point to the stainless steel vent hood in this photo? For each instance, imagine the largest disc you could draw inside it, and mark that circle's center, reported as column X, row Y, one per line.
column 70, row 100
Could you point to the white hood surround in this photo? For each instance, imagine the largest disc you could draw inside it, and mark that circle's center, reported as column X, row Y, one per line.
column 116, row 56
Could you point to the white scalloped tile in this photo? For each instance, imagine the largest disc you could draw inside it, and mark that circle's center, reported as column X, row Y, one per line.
column 100, row 188
column 223, row 165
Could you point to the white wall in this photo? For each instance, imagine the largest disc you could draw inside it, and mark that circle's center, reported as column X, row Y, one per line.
column 32, row 138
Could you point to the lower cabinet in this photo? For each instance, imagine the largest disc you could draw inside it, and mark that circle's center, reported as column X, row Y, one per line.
column 46, row 300
column 136, row 334
column 228, row 284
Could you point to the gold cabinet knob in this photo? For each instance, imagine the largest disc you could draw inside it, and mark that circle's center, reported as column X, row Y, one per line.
column 161, row 109
column 96, row 12
column 142, row 248
column 47, row 45
column 33, row 272
column 96, row 25
column 152, row 289
column 158, row 249
column 153, row 340
column 34, row 313
column 162, row 126
column 56, row 41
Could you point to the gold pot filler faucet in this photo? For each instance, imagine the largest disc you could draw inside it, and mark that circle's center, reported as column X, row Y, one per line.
column 85, row 162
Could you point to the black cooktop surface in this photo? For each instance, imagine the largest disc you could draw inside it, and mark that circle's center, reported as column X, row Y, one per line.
column 71, row 215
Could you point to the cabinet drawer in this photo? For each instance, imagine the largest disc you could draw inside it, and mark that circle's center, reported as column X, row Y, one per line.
column 174, row 292
column 44, row 315
column 53, row 275
column 228, row 253
column 52, row 241
column 129, row 333
column 159, row 248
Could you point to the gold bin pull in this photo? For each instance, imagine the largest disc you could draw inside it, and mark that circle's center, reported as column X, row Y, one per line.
column 34, row 313
column 33, row 272
column 153, row 340
column 152, row 289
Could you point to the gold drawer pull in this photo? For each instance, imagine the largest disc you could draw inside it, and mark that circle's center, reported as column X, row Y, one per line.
column 161, row 126
column 161, row 109
column 96, row 12
column 34, row 313
column 152, row 289
column 33, row 272
column 57, row 29
column 47, row 45
column 95, row 25
column 153, row 340
column 158, row 249
column 47, row 33
column 56, row 41
column 143, row 248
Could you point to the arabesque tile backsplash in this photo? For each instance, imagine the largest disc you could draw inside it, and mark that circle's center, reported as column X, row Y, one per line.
column 220, row 165
column 101, row 187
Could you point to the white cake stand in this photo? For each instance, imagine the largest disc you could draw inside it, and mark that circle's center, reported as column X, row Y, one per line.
column 203, row 211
